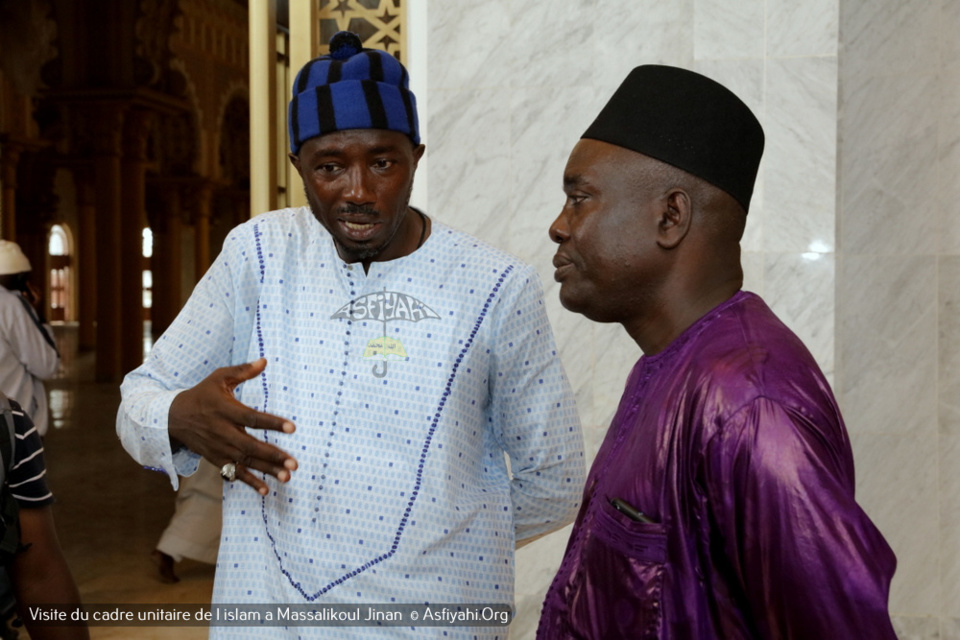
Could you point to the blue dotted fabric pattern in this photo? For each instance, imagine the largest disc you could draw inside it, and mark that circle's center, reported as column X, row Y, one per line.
column 407, row 384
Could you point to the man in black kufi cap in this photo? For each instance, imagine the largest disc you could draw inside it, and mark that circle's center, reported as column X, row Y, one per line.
column 721, row 504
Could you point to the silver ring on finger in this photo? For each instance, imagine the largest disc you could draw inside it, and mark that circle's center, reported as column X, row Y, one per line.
column 229, row 471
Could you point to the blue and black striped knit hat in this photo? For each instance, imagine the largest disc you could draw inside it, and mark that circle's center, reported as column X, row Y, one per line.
column 351, row 88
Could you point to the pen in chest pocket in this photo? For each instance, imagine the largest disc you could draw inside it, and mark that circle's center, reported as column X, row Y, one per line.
column 630, row 511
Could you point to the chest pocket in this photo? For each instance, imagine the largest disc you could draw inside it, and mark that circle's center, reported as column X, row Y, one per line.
column 617, row 590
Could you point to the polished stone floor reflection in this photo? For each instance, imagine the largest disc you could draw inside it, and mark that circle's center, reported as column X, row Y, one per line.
column 110, row 512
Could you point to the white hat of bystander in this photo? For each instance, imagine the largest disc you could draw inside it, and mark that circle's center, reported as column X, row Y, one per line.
column 12, row 259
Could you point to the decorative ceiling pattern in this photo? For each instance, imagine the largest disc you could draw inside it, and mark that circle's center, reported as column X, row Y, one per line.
column 379, row 23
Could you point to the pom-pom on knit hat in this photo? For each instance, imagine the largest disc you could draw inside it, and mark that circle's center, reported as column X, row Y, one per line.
column 351, row 88
column 12, row 259
column 689, row 121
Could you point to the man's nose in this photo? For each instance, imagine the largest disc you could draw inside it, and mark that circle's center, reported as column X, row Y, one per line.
column 358, row 189
column 558, row 230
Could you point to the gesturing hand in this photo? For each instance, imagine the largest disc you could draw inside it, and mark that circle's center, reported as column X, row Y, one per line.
column 209, row 420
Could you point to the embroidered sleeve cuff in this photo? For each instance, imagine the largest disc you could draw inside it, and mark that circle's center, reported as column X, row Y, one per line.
column 142, row 427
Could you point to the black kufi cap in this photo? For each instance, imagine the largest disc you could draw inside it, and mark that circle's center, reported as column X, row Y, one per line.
column 689, row 121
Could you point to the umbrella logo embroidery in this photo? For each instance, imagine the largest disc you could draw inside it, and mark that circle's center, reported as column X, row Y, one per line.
column 385, row 306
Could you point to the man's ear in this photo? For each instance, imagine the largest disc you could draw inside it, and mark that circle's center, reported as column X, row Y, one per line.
column 295, row 161
column 675, row 217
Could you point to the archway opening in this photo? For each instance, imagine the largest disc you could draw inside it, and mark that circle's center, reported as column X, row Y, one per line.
column 60, row 256
column 147, row 280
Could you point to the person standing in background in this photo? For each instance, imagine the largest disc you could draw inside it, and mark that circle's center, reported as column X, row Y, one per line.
column 194, row 530
column 30, row 551
column 28, row 351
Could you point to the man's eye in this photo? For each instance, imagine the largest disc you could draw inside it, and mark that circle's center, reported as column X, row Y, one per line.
column 575, row 199
column 383, row 163
column 327, row 168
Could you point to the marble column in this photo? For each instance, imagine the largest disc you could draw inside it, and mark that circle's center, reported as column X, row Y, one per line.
column 167, row 255
column 104, row 134
column 263, row 107
column 201, row 202
column 86, row 259
column 137, row 124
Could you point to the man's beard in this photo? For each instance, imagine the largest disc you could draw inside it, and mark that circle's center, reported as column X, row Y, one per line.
column 364, row 253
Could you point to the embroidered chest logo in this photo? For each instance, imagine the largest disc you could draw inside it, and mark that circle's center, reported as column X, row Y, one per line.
column 384, row 307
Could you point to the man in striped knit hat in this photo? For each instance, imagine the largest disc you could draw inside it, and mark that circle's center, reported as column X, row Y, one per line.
column 388, row 387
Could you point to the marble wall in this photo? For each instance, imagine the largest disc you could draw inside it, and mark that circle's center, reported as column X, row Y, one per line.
column 898, row 291
column 853, row 236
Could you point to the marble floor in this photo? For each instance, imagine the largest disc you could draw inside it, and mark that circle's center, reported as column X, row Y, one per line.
column 110, row 512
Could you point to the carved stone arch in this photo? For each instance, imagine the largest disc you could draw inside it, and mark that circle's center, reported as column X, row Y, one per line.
column 28, row 36
column 233, row 91
column 36, row 202
column 156, row 23
column 37, row 198
column 231, row 200
column 233, row 138
column 174, row 147
column 190, row 93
